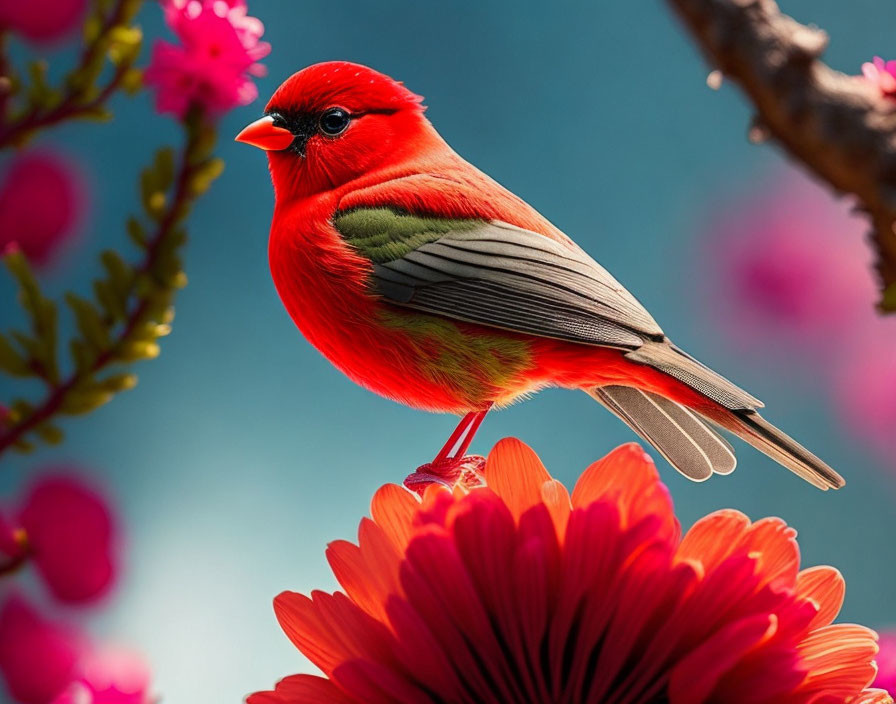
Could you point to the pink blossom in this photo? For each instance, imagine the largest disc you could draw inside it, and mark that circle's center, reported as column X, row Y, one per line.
column 38, row 658
column 866, row 392
column 882, row 74
column 886, row 662
column 213, row 65
column 41, row 201
column 109, row 676
column 41, row 20
column 44, row 662
column 790, row 269
column 69, row 536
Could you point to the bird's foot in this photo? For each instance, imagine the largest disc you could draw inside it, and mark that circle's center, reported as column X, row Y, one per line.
column 466, row 471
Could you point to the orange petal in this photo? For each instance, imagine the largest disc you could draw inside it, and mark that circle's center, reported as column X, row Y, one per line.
column 301, row 689
column 329, row 628
column 368, row 573
column 778, row 552
column 393, row 508
column 628, row 476
column 556, row 498
column 711, row 539
column 514, row 472
column 839, row 659
column 826, row 587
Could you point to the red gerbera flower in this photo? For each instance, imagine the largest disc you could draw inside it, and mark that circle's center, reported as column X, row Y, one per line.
column 520, row 593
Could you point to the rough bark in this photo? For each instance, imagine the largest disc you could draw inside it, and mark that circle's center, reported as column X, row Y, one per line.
column 840, row 127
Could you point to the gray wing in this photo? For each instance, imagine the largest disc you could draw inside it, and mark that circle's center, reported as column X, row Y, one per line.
column 503, row 276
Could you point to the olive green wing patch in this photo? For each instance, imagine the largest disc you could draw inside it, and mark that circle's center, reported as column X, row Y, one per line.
column 495, row 274
column 383, row 235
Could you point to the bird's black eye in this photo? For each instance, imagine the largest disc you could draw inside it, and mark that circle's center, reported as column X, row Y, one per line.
column 334, row 121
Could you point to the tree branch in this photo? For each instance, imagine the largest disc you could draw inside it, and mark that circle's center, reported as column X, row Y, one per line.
column 112, row 37
column 138, row 314
column 838, row 126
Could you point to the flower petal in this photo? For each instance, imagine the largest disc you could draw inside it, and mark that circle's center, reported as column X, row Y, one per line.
column 696, row 675
column 302, row 689
column 514, row 472
column 826, row 587
column 329, row 629
column 713, row 538
column 392, row 509
column 839, row 659
column 37, row 657
column 627, row 476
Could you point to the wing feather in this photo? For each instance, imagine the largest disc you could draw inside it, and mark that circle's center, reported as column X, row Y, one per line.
column 500, row 275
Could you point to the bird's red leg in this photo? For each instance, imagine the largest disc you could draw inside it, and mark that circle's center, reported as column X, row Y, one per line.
column 475, row 422
column 461, row 428
column 452, row 466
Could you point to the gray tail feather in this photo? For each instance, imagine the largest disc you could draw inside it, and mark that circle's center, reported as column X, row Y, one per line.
column 688, row 443
column 765, row 437
column 678, row 364
column 736, row 412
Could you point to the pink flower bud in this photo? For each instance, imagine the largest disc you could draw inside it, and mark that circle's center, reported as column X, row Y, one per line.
column 70, row 537
column 37, row 657
column 41, row 20
column 41, row 201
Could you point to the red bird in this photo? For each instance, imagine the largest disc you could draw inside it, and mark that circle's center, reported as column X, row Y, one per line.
column 427, row 282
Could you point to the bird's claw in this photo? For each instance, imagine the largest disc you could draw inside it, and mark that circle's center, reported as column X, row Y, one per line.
column 466, row 471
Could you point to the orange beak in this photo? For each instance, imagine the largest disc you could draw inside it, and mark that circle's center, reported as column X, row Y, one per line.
column 264, row 134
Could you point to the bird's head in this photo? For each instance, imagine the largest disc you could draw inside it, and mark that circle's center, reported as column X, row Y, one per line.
column 332, row 122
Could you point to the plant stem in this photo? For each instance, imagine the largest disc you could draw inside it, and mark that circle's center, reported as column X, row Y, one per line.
column 73, row 104
column 53, row 402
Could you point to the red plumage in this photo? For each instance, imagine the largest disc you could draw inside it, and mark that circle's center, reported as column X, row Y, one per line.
column 391, row 157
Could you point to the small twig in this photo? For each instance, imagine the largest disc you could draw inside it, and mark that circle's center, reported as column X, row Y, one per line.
column 192, row 160
column 838, row 126
column 75, row 103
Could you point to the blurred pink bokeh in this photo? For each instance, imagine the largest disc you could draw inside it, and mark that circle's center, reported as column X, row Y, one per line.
column 64, row 527
column 882, row 74
column 37, row 656
column 792, row 283
column 110, row 675
column 71, row 536
column 42, row 20
column 886, row 662
column 45, row 662
column 42, row 199
column 865, row 393
column 792, row 270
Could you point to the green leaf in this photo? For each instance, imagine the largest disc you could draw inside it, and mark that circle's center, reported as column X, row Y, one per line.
column 137, row 350
column 90, row 323
column 50, row 434
column 164, row 167
column 132, row 81
column 11, row 361
column 80, row 402
column 42, row 312
column 136, row 232
column 40, row 92
column 121, row 274
column 112, row 302
column 118, row 382
column 205, row 175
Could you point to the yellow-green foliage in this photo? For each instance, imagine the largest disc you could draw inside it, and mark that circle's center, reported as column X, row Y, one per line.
column 131, row 303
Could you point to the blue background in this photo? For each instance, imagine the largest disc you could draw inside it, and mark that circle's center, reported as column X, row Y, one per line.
column 242, row 452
